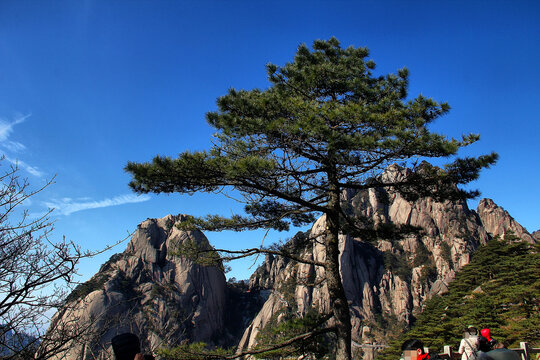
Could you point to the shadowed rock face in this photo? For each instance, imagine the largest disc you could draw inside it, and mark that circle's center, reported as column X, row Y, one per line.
column 147, row 290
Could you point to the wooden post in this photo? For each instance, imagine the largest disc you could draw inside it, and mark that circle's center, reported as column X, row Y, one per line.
column 526, row 351
column 448, row 351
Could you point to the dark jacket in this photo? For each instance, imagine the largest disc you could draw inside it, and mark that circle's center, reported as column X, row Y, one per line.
column 485, row 345
column 499, row 354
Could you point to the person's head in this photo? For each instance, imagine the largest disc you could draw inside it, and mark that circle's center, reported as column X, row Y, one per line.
column 470, row 331
column 486, row 333
column 126, row 346
column 412, row 349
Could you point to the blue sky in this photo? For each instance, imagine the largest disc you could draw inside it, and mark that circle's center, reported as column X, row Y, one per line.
column 86, row 86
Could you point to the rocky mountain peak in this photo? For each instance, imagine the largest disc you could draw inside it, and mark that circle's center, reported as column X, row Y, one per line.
column 152, row 291
column 498, row 221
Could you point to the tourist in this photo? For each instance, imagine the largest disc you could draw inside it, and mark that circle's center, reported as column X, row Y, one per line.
column 485, row 341
column 127, row 347
column 469, row 344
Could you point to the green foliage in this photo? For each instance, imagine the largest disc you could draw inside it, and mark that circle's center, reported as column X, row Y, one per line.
column 286, row 290
column 96, row 282
column 428, row 273
column 398, row 264
column 127, row 286
column 113, row 259
column 499, row 289
column 81, row 290
column 193, row 351
column 423, row 257
column 446, row 254
column 290, row 326
column 243, row 304
column 202, row 254
column 288, row 323
column 386, row 326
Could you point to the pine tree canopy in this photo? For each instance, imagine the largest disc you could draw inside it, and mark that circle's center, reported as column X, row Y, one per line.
column 325, row 123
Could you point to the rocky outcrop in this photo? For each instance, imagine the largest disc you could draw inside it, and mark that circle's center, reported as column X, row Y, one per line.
column 149, row 290
column 498, row 221
column 386, row 280
column 536, row 235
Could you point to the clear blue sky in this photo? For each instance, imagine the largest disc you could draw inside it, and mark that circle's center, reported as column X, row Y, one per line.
column 86, row 86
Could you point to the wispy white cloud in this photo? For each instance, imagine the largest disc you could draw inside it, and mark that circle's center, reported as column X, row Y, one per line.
column 14, row 146
column 6, row 128
column 67, row 206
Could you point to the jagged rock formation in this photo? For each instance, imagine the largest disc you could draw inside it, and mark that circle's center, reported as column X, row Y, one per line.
column 148, row 290
column 498, row 221
column 387, row 280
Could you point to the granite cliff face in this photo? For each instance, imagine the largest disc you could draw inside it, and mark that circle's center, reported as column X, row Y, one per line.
column 387, row 280
column 150, row 291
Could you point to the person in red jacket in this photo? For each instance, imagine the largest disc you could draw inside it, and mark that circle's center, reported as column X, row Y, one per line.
column 485, row 341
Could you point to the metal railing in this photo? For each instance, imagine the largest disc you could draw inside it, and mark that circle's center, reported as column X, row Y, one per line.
column 525, row 351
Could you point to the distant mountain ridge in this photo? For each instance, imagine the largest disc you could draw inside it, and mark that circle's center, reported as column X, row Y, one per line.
column 166, row 299
column 15, row 342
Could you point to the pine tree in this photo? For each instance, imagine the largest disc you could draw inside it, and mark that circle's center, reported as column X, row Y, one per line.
column 325, row 124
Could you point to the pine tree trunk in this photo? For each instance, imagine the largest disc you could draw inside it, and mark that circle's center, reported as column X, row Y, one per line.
column 339, row 304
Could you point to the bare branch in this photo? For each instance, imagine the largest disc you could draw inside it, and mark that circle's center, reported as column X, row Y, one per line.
column 253, row 251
